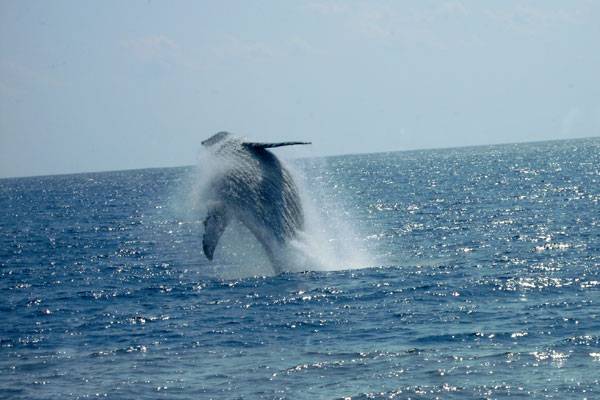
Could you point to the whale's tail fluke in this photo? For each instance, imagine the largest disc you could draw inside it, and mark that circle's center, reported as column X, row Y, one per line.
column 257, row 145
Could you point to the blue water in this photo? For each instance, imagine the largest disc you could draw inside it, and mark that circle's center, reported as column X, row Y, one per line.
column 484, row 283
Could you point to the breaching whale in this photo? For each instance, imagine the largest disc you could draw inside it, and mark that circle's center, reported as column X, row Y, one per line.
column 253, row 186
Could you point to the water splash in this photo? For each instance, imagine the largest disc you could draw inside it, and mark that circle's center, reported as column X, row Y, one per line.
column 331, row 239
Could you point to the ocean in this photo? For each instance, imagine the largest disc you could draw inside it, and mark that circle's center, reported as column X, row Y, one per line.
column 452, row 274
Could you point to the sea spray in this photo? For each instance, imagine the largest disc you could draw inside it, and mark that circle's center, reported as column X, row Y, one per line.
column 332, row 238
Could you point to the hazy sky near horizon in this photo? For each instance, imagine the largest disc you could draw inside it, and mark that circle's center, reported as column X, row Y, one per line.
column 102, row 85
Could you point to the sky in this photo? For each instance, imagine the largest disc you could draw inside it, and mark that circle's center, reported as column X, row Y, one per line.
column 108, row 85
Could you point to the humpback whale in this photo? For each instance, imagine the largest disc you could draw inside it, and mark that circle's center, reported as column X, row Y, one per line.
column 252, row 186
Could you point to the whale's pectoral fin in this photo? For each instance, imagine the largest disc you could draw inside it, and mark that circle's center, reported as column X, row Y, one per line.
column 257, row 145
column 215, row 223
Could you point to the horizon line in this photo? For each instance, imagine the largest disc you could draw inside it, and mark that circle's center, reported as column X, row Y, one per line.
column 312, row 157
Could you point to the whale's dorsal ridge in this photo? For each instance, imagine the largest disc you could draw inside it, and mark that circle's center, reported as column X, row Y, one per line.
column 224, row 135
column 258, row 145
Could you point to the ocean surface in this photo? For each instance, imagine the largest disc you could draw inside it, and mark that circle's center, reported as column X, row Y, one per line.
column 453, row 274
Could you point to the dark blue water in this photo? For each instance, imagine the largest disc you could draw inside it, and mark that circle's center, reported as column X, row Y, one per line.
column 485, row 283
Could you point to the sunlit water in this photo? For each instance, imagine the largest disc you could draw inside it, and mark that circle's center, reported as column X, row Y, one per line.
column 484, row 282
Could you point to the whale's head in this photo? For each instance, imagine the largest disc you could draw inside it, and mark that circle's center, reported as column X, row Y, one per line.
column 217, row 138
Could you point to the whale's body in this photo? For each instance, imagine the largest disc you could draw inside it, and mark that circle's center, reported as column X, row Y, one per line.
column 254, row 187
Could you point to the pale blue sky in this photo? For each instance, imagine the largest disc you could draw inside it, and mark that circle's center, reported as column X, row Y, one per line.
column 101, row 85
